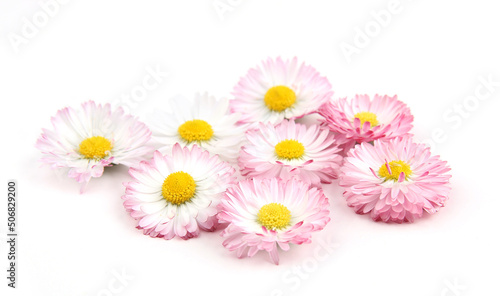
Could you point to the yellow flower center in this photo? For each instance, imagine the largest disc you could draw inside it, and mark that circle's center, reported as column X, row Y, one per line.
column 396, row 167
column 367, row 116
column 196, row 130
column 279, row 98
column 289, row 149
column 178, row 188
column 274, row 216
column 95, row 147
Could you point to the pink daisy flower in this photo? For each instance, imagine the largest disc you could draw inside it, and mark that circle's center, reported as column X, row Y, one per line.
column 178, row 194
column 86, row 140
column 264, row 214
column 394, row 180
column 364, row 120
column 290, row 150
column 279, row 90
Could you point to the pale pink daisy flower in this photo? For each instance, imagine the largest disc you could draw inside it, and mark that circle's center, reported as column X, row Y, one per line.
column 290, row 150
column 394, row 180
column 364, row 120
column 264, row 214
column 177, row 194
column 86, row 140
column 279, row 89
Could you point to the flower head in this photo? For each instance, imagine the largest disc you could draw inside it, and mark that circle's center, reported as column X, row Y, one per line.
column 394, row 180
column 279, row 90
column 266, row 213
column 364, row 120
column 86, row 140
column 290, row 150
column 178, row 194
column 204, row 122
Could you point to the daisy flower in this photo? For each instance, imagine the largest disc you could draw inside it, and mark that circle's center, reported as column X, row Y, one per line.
column 205, row 122
column 394, row 180
column 266, row 213
column 279, row 90
column 290, row 150
column 86, row 140
column 364, row 120
column 177, row 195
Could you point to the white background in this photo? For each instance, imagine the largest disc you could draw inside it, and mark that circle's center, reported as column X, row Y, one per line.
column 432, row 54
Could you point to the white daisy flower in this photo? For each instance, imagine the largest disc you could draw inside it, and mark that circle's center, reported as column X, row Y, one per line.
column 205, row 121
column 86, row 140
column 177, row 194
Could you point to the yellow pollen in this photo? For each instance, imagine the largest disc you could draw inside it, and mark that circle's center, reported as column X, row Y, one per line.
column 367, row 116
column 95, row 147
column 196, row 130
column 279, row 98
column 396, row 166
column 178, row 188
column 289, row 149
column 274, row 216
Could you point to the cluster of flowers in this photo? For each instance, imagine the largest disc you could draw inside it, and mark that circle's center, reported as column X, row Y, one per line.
column 191, row 182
